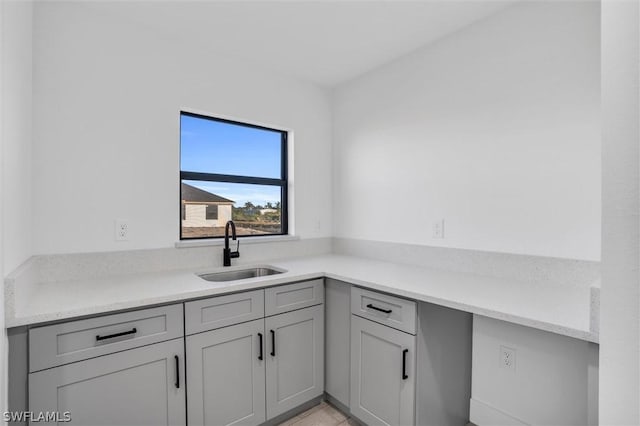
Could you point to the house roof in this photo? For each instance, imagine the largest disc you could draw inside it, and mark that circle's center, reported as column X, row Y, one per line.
column 193, row 194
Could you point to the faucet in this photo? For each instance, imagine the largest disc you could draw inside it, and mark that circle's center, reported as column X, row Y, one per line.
column 227, row 254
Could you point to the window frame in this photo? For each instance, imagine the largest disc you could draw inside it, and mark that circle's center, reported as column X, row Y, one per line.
column 282, row 182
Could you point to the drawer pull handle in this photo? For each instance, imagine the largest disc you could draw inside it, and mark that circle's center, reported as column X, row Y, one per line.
column 386, row 311
column 112, row 336
column 273, row 343
column 260, row 337
column 404, row 364
column 177, row 371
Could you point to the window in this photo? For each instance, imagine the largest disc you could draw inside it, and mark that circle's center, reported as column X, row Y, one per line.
column 212, row 212
column 231, row 171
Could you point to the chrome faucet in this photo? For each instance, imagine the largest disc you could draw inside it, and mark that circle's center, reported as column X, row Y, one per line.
column 227, row 254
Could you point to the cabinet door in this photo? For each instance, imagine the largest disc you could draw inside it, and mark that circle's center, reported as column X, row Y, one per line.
column 382, row 374
column 226, row 375
column 142, row 386
column 295, row 358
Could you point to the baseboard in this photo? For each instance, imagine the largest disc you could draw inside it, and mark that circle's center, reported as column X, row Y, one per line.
column 482, row 414
column 339, row 405
column 294, row 411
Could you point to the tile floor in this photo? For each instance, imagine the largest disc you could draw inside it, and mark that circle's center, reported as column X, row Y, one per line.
column 322, row 414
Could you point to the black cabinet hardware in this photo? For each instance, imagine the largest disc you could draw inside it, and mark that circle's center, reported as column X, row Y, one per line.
column 177, row 371
column 111, row 336
column 386, row 311
column 404, row 364
column 273, row 343
column 260, row 337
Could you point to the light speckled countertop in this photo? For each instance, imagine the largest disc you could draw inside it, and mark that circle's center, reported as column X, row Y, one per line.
column 565, row 310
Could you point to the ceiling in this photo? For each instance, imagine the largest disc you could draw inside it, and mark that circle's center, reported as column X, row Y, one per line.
column 325, row 42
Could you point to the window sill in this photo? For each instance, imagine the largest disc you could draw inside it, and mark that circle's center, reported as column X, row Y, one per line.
column 245, row 240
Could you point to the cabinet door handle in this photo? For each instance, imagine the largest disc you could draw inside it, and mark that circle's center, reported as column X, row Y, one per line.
column 111, row 336
column 260, row 344
column 404, row 364
column 273, row 343
column 177, row 371
column 386, row 311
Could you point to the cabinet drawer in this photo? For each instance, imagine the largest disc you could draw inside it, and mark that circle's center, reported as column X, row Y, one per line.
column 287, row 298
column 216, row 312
column 73, row 341
column 388, row 310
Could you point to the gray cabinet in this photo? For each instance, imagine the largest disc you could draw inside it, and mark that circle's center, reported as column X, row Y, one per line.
column 337, row 340
column 295, row 358
column 247, row 373
column 129, row 368
column 226, row 375
column 383, row 374
column 141, row 386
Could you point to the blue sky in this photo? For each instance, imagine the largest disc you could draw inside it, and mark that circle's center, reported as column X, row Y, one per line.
column 217, row 147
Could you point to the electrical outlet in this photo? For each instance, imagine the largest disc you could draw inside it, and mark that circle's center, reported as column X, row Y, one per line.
column 122, row 230
column 508, row 358
column 438, row 229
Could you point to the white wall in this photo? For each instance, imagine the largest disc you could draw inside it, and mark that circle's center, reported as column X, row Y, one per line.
column 620, row 293
column 4, row 366
column 17, row 132
column 550, row 384
column 495, row 128
column 106, row 128
column 16, row 20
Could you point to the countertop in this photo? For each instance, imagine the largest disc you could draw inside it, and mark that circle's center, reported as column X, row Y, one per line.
column 565, row 310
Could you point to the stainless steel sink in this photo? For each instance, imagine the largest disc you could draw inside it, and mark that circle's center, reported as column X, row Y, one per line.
column 240, row 274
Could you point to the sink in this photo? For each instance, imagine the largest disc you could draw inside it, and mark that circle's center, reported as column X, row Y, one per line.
column 240, row 274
